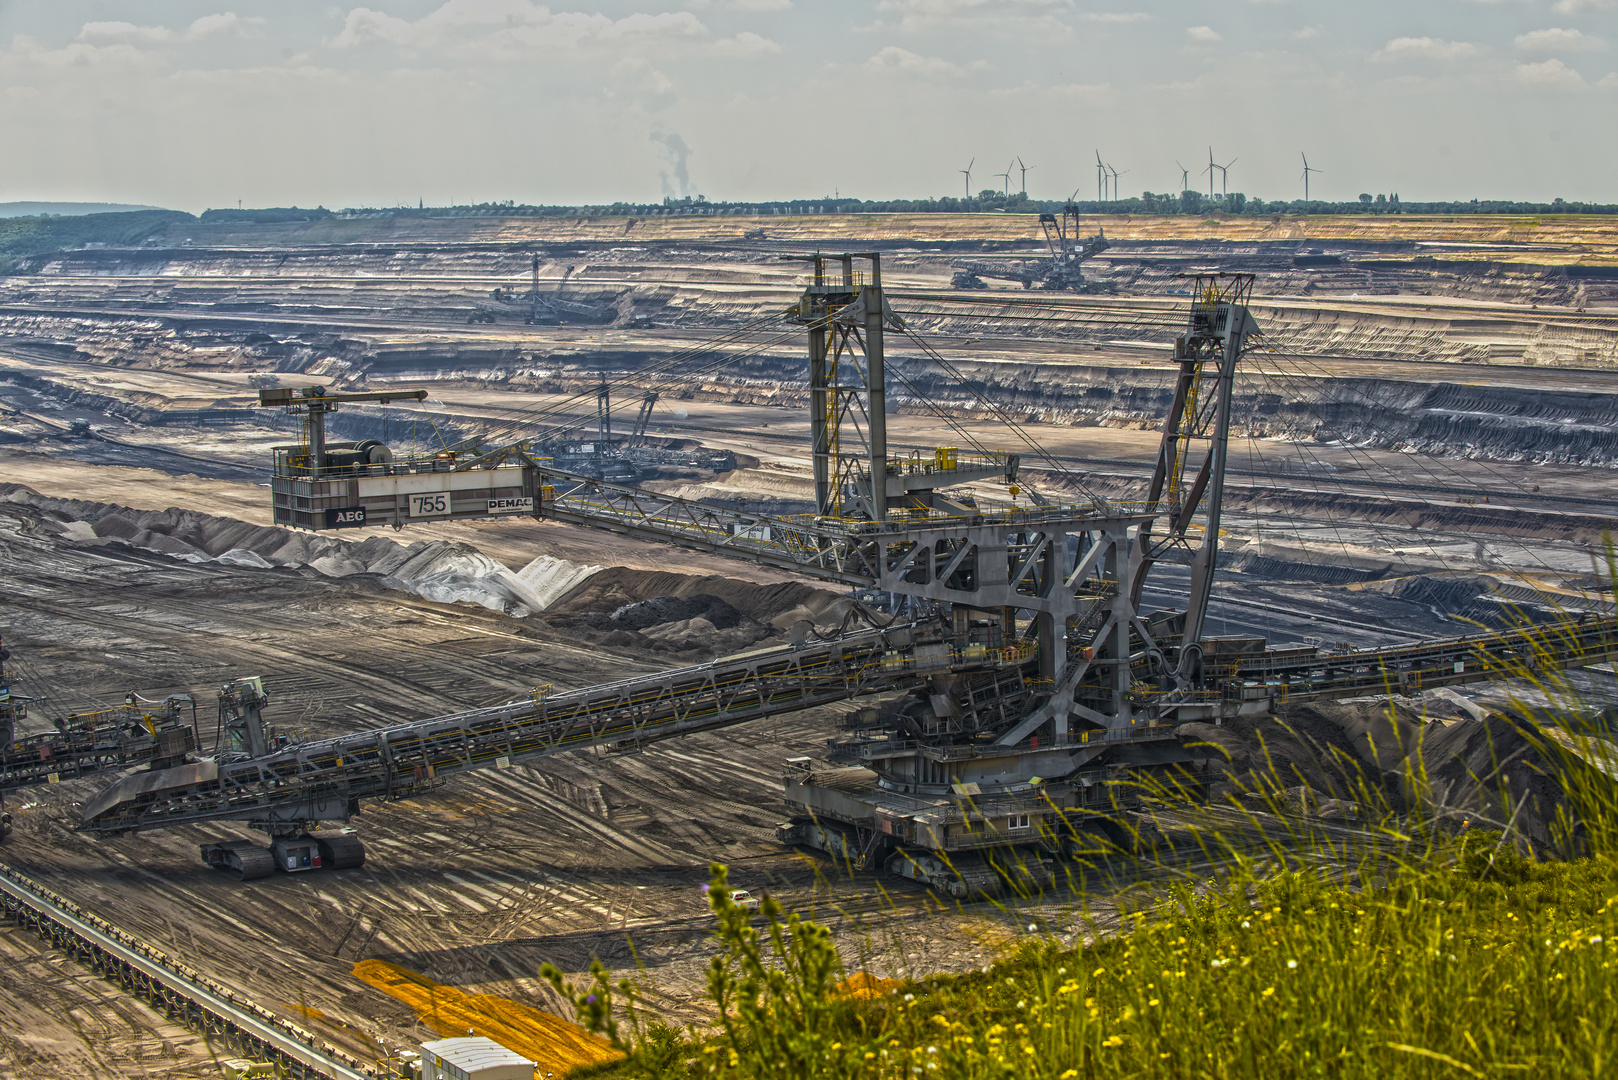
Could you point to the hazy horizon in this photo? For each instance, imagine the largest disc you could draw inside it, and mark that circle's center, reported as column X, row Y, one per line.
column 192, row 106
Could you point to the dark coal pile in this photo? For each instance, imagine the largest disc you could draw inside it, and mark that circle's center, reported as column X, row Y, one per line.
column 665, row 609
column 1365, row 757
column 679, row 624
column 1471, row 597
column 692, row 617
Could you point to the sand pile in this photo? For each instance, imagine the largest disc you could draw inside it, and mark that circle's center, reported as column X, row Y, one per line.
column 436, row 570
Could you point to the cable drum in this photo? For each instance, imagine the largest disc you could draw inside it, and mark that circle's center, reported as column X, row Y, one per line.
column 366, row 452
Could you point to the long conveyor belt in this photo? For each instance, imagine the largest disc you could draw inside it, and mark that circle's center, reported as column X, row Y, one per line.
column 320, row 781
column 1297, row 674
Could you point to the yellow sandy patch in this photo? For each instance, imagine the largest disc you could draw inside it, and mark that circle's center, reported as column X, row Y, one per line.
column 862, row 984
column 554, row 1044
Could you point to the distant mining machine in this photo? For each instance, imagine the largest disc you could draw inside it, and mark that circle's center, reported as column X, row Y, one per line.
column 1062, row 271
column 540, row 308
column 156, row 734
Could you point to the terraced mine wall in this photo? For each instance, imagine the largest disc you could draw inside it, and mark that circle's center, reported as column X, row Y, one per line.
column 1495, row 423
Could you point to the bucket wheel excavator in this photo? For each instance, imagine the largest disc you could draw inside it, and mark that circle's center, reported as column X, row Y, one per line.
column 1024, row 692
column 1063, row 271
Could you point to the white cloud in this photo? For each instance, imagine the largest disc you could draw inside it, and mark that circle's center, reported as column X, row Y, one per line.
column 1608, row 81
column 1556, row 39
column 1426, row 48
column 758, row 5
column 1116, row 17
column 227, row 22
column 1582, row 7
column 123, row 31
column 1550, row 75
column 745, row 44
column 892, row 58
column 634, row 80
column 1009, row 16
column 25, row 53
column 508, row 28
column 1203, row 34
column 1308, row 33
column 365, row 25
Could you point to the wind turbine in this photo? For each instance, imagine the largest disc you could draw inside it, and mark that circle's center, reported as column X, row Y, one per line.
column 1025, row 169
column 1101, row 179
column 968, row 173
column 1185, row 175
column 1210, row 171
column 1006, row 176
column 1224, row 178
column 1306, row 171
column 1115, row 175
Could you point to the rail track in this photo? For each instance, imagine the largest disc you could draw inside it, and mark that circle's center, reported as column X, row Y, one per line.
column 174, row 989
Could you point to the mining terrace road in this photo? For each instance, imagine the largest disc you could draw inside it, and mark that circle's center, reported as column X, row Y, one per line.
column 1279, row 480
column 1401, row 369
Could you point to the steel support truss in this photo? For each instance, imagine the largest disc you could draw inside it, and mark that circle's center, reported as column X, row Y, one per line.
column 1066, row 572
column 1188, row 483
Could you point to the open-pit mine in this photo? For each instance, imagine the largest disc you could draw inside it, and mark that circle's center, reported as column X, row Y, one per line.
column 394, row 605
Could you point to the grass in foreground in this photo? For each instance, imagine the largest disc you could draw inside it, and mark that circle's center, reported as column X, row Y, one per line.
column 1487, row 965
column 1395, row 950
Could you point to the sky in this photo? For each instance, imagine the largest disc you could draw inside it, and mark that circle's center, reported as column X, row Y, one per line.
column 192, row 105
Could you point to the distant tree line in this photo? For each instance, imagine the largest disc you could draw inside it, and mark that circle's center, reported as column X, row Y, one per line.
column 274, row 215
column 24, row 236
column 988, row 202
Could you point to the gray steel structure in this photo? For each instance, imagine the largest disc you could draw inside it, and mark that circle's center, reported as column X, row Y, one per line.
column 1188, row 482
column 1062, row 271
column 85, row 744
column 846, row 315
column 1025, row 657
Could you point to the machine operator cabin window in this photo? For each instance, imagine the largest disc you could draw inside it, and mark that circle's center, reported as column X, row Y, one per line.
column 1018, row 821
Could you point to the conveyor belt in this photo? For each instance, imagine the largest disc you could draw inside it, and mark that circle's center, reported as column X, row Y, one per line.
column 321, row 781
column 1297, row 674
column 169, row 987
